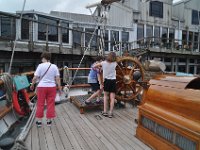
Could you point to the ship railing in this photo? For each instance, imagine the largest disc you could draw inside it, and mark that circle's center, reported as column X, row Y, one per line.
column 79, row 82
column 168, row 45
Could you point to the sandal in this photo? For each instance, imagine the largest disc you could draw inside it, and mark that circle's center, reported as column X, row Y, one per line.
column 110, row 115
column 98, row 102
column 105, row 114
column 38, row 123
column 87, row 103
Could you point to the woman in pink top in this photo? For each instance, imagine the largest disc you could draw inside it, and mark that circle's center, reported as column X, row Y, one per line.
column 48, row 76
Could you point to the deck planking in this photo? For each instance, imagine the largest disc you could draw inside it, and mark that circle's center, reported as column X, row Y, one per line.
column 74, row 131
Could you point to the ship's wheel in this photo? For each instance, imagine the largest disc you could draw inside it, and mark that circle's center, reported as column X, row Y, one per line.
column 130, row 78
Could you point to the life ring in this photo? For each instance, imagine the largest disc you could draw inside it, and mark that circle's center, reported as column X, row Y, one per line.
column 21, row 109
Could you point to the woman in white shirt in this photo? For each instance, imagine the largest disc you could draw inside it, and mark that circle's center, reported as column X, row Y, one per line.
column 48, row 76
column 109, row 76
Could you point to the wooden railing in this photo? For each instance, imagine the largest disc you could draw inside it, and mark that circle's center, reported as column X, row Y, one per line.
column 167, row 45
column 6, row 109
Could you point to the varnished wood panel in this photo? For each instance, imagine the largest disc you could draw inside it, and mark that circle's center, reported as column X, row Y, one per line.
column 169, row 104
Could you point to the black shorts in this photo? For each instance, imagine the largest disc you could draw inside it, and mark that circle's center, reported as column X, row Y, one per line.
column 95, row 86
column 110, row 85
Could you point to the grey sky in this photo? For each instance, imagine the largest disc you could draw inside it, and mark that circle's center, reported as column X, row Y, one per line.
column 76, row 6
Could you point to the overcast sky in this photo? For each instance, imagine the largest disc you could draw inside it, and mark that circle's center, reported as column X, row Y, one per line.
column 76, row 6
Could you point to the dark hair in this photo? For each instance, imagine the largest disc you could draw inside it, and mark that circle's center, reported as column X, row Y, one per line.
column 46, row 55
column 98, row 58
column 111, row 57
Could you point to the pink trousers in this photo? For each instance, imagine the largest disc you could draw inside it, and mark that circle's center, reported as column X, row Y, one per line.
column 46, row 94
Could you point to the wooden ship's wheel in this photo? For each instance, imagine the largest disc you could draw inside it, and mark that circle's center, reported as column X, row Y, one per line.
column 130, row 78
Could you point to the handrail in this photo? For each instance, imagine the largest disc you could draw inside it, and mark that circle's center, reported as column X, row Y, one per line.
column 61, row 69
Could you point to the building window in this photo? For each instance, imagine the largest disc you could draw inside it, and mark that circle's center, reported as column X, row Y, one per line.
column 125, row 40
column 43, row 24
column 88, row 37
column 167, row 59
column 25, row 29
column 42, row 31
column 198, row 70
column 191, row 69
column 168, row 68
column 195, row 17
column 140, row 33
column 114, row 40
column 65, row 32
column 181, row 68
column 182, row 60
column 171, row 36
column 157, row 36
column 8, row 27
column 77, row 36
column 106, row 39
column 156, row 9
column 149, row 31
column 42, row 28
column 184, row 39
column 192, row 61
column 164, row 36
column 190, row 40
column 196, row 40
column 125, row 36
column 53, row 31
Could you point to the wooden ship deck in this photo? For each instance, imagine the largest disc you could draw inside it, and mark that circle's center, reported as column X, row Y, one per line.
column 89, row 131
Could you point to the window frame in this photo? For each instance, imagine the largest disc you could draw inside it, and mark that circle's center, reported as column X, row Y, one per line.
column 157, row 13
column 193, row 17
column 114, row 39
column 65, row 25
column 25, row 37
column 48, row 22
column 11, row 25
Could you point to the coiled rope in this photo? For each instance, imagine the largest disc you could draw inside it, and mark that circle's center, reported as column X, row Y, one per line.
column 7, row 86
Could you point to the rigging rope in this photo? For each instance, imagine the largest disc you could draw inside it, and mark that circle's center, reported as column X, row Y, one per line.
column 70, row 84
column 88, row 47
column 101, row 40
column 15, row 42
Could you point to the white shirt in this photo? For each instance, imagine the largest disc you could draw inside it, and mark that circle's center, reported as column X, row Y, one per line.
column 109, row 71
column 49, row 78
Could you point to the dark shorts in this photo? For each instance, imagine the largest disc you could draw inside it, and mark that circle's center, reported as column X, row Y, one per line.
column 110, row 85
column 95, row 86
